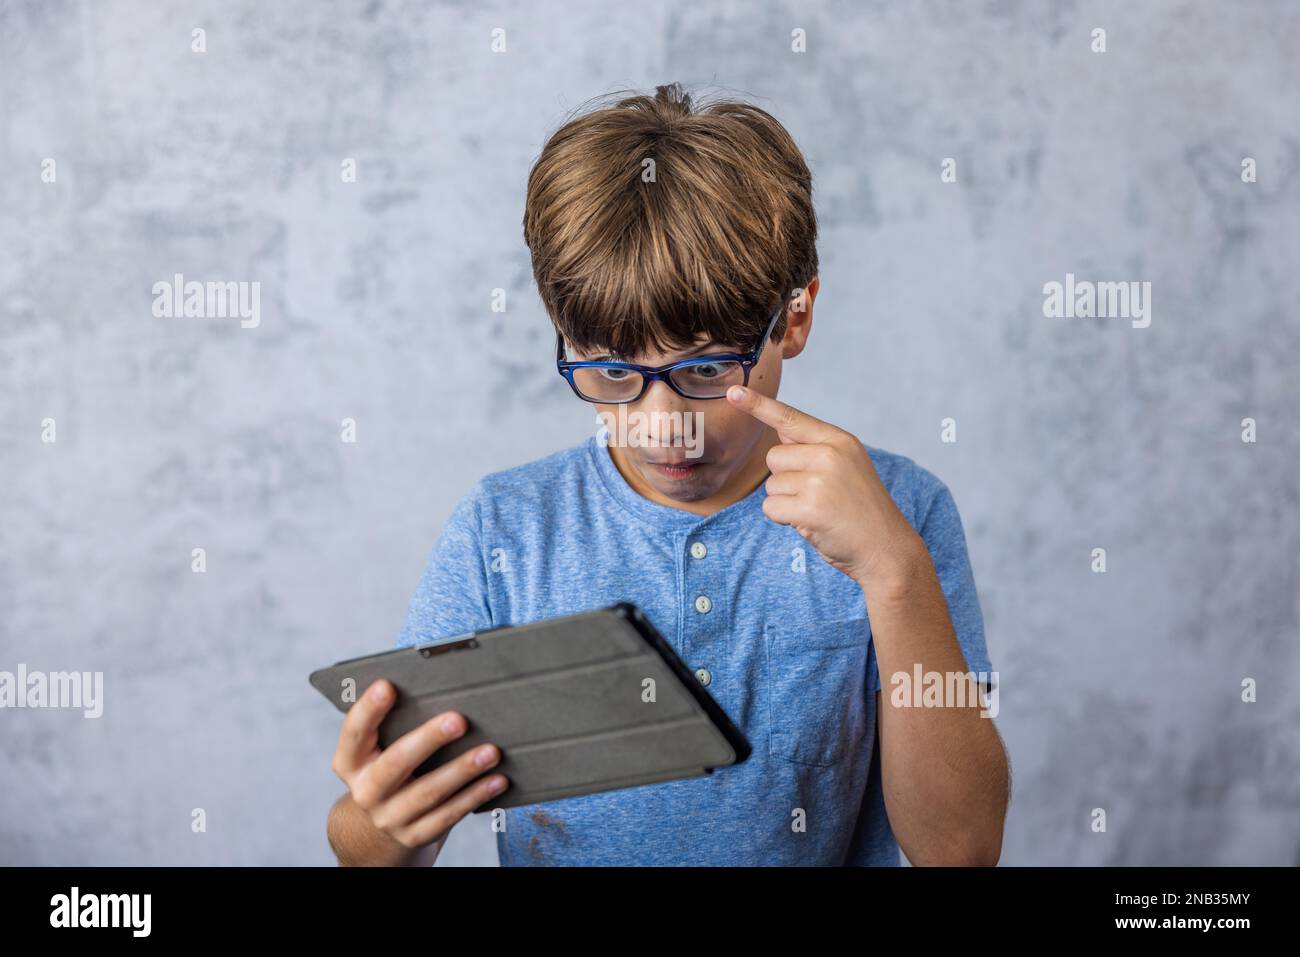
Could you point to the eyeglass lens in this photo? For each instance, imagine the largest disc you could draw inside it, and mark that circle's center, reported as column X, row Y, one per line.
column 705, row 380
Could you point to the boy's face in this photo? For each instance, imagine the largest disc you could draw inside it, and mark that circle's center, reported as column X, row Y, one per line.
column 701, row 451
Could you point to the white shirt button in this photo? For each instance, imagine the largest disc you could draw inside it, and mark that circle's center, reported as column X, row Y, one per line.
column 702, row 604
column 698, row 550
column 703, row 675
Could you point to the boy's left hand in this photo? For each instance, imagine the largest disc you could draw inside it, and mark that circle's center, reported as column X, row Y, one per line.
column 825, row 486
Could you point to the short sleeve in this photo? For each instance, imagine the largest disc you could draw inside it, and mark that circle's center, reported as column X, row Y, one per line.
column 451, row 597
column 941, row 529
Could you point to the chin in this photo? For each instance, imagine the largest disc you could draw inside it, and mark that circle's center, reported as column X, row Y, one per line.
column 680, row 494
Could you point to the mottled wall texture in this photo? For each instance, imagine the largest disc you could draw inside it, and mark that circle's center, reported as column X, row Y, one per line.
column 128, row 440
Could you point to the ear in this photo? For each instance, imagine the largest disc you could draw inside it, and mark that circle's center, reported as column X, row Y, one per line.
column 798, row 320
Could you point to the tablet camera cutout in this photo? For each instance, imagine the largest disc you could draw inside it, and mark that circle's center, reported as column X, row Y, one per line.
column 428, row 651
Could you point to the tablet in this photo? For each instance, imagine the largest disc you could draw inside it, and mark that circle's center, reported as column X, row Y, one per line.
column 584, row 703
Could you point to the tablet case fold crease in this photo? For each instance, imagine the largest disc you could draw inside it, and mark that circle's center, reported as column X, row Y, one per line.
column 580, row 704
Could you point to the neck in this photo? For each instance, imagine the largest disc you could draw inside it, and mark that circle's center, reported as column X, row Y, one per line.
column 752, row 474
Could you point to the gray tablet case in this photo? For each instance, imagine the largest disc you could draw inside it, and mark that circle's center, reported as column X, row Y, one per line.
column 567, row 700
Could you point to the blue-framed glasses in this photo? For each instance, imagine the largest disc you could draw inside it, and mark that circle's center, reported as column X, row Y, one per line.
column 699, row 377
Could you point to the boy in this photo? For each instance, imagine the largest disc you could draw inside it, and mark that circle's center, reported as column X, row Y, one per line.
column 787, row 564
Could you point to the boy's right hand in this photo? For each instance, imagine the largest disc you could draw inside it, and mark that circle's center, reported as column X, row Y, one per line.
column 411, row 813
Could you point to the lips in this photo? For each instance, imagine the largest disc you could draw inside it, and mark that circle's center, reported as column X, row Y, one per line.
column 676, row 470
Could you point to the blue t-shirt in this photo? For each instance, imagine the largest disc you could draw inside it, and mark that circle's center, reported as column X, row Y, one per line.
column 785, row 639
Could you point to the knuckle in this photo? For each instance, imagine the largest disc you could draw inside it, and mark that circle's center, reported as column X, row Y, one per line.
column 433, row 792
column 438, row 825
column 364, row 795
column 419, row 744
column 403, row 836
column 410, row 746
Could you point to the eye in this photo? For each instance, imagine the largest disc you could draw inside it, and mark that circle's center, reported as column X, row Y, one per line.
column 615, row 375
column 707, row 370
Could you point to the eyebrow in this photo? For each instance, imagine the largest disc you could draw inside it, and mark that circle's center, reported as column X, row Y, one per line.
column 698, row 350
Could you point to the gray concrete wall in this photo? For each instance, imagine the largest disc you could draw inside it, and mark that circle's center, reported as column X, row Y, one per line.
column 1120, row 690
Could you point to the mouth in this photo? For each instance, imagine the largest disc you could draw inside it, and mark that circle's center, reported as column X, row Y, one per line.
column 675, row 470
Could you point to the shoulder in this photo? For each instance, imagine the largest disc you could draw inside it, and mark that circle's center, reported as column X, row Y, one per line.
column 926, row 502
column 919, row 494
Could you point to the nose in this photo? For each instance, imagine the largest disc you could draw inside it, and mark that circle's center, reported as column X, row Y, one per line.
column 666, row 409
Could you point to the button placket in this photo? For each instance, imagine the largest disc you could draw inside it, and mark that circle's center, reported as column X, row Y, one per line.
column 705, row 614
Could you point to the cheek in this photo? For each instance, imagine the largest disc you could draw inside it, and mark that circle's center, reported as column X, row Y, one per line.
column 727, row 425
column 766, row 377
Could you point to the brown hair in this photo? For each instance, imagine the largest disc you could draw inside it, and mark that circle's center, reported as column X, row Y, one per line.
column 712, row 246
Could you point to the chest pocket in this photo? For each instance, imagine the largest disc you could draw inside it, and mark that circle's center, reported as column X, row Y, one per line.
column 817, row 690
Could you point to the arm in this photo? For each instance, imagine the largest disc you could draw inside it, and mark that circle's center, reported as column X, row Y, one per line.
column 452, row 598
column 944, row 770
column 358, row 843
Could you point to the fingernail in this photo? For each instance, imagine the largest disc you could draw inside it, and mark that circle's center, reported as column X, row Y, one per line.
column 379, row 693
column 496, row 784
column 483, row 758
column 451, row 724
column 739, row 392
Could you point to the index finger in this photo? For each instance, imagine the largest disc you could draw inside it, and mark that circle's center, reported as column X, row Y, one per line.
column 791, row 424
column 359, row 736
